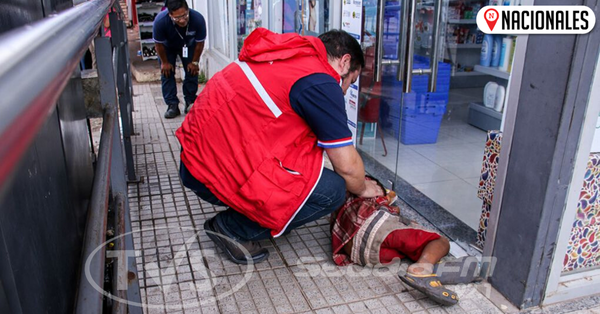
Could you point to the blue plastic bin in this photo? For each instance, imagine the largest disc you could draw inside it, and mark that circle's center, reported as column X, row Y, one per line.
column 419, row 118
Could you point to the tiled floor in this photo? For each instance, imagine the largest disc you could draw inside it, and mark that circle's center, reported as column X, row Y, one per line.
column 448, row 171
column 181, row 271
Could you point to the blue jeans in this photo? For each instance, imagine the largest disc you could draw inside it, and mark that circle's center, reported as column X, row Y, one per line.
column 328, row 195
column 190, row 83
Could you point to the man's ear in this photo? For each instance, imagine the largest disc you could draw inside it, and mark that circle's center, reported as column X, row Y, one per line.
column 345, row 60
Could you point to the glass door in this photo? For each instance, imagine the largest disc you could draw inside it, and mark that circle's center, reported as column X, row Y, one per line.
column 379, row 91
column 407, row 132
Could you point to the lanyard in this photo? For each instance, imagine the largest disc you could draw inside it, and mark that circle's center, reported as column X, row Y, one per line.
column 186, row 30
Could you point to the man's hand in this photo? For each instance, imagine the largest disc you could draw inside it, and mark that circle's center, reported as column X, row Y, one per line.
column 166, row 68
column 372, row 189
column 193, row 68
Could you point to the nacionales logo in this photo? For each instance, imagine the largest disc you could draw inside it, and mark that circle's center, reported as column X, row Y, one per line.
column 572, row 19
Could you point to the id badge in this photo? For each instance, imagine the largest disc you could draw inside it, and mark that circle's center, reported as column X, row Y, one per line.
column 185, row 52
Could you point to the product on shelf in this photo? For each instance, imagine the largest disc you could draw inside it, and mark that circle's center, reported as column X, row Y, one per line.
column 486, row 50
column 148, row 52
column 512, row 53
column 505, row 53
column 496, row 49
column 146, row 17
column 145, row 35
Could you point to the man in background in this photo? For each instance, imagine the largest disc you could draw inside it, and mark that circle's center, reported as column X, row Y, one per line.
column 179, row 31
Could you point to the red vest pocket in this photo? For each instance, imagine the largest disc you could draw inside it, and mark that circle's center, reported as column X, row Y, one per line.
column 282, row 177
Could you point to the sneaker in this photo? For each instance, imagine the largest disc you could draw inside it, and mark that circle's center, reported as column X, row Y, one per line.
column 233, row 248
column 188, row 106
column 172, row 112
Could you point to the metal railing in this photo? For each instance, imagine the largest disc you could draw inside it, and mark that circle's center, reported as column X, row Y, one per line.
column 36, row 62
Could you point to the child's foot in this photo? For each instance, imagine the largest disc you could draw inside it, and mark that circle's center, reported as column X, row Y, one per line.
column 420, row 269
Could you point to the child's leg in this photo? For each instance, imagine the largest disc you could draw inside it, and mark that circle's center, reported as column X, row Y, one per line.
column 425, row 247
column 432, row 253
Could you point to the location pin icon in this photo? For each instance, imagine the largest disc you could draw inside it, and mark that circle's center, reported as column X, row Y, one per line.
column 491, row 17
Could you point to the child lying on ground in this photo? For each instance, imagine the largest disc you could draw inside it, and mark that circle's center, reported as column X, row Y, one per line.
column 370, row 232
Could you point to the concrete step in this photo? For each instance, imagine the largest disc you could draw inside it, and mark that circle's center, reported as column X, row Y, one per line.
column 125, row 11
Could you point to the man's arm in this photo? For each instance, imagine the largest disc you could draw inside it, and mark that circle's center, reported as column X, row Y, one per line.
column 165, row 67
column 193, row 66
column 348, row 164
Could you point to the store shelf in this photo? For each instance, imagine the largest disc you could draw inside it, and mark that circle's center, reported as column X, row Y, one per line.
column 492, row 71
column 149, row 5
column 146, row 24
column 147, row 41
column 462, row 21
column 429, row 7
column 463, row 46
column 472, row 73
column 150, row 58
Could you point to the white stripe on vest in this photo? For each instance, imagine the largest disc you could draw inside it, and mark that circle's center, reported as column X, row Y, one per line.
column 259, row 88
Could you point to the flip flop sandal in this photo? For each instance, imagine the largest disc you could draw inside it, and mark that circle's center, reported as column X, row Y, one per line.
column 431, row 287
column 462, row 270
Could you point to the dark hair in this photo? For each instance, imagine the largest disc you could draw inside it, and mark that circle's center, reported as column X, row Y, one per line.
column 174, row 5
column 338, row 43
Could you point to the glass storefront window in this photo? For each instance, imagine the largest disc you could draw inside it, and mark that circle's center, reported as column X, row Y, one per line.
column 249, row 17
column 306, row 17
column 219, row 32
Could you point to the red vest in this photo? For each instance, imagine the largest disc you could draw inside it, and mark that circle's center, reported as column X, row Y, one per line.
column 245, row 142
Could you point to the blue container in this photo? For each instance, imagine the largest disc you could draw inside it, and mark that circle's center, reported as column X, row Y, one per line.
column 420, row 129
column 418, row 120
column 496, row 50
column 486, row 50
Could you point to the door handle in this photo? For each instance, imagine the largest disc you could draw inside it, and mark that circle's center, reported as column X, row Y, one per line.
column 379, row 40
column 409, row 50
column 437, row 20
column 406, row 46
column 402, row 42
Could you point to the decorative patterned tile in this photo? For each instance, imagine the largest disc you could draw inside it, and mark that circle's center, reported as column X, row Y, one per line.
column 487, row 180
column 483, row 223
column 582, row 249
column 490, row 166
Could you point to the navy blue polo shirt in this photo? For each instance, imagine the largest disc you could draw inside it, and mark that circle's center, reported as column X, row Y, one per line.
column 166, row 32
column 319, row 100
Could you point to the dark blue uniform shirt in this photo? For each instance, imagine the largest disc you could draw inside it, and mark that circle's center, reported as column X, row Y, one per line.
column 319, row 100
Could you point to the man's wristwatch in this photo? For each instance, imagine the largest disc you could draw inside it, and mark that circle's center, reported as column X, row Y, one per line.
column 195, row 63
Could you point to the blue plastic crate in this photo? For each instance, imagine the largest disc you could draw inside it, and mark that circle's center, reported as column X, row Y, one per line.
column 422, row 103
column 417, row 120
column 420, row 129
column 414, row 129
column 420, row 83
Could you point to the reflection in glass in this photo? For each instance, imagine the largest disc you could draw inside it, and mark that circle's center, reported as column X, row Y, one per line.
column 249, row 17
column 219, row 32
column 305, row 17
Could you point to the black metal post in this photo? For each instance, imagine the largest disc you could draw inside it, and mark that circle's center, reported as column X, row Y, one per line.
column 127, row 275
column 125, row 99
column 89, row 299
